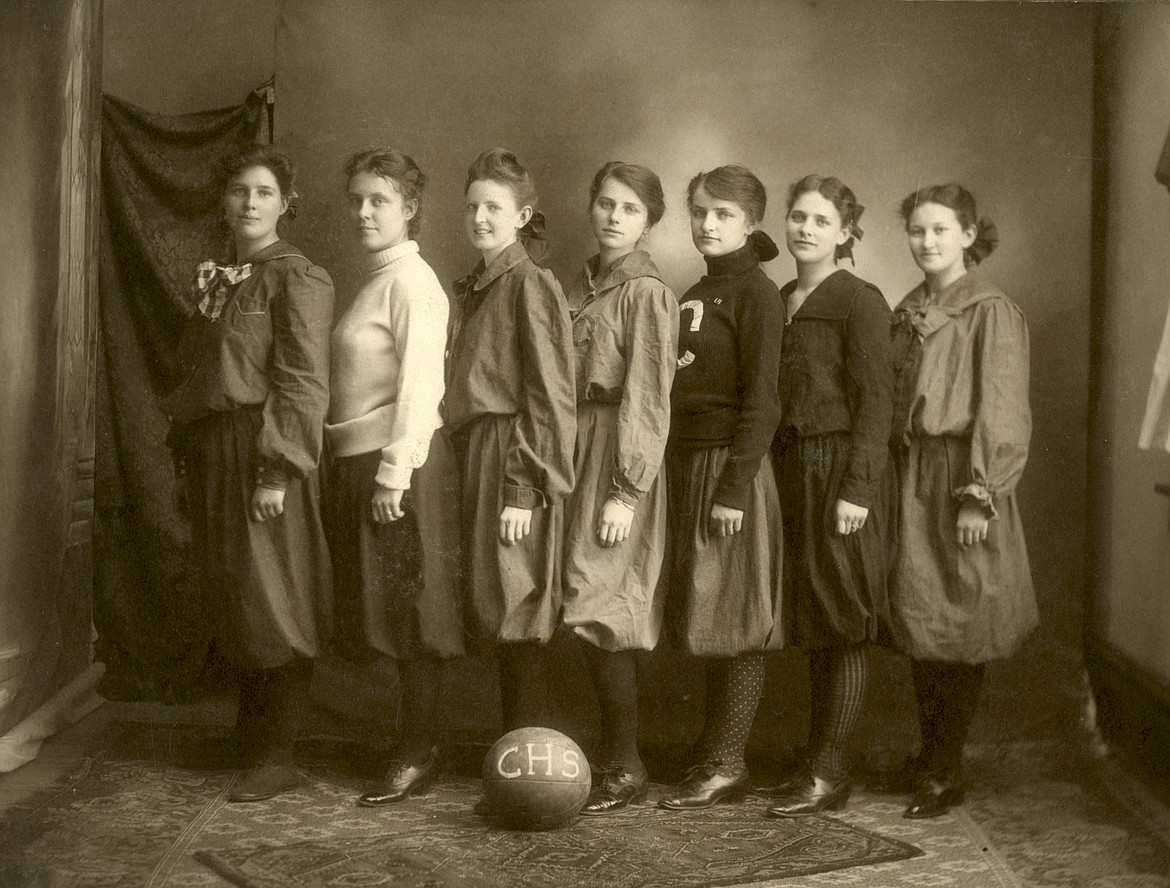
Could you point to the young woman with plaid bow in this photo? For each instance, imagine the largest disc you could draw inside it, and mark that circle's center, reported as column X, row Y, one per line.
column 246, row 432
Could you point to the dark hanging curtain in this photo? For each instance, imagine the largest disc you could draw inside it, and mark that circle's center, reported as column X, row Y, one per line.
column 159, row 217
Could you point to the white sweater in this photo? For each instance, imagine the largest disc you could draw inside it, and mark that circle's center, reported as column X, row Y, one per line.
column 387, row 365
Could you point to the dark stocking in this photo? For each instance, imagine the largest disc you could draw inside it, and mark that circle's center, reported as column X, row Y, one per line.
column 615, row 676
column 249, row 722
column 948, row 696
column 282, row 694
column 714, row 708
column 844, row 701
column 820, row 672
column 743, row 685
column 522, row 684
column 420, row 692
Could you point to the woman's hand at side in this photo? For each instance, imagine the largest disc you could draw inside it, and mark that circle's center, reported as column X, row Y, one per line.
column 386, row 505
column 515, row 524
column 849, row 517
column 725, row 521
column 267, row 503
column 613, row 527
column 971, row 526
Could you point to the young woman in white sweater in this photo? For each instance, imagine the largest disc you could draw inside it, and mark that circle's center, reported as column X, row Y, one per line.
column 393, row 480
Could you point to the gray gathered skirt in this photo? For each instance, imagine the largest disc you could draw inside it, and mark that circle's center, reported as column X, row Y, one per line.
column 613, row 598
column 514, row 592
column 725, row 592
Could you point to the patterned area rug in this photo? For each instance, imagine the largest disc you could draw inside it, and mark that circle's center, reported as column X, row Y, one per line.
column 1039, row 816
column 129, row 816
column 437, row 841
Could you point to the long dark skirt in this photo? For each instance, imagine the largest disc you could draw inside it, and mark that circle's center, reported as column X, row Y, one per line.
column 725, row 592
column 612, row 597
column 397, row 586
column 836, row 586
column 265, row 583
column 514, row 592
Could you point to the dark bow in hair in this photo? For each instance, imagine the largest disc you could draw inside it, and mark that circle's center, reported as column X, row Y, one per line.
column 845, row 250
column 532, row 236
column 763, row 246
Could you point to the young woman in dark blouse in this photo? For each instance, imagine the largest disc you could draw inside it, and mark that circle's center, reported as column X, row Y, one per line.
column 511, row 407
column 836, row 389
column 726, row 548
column 246, row 431
column 625, row 329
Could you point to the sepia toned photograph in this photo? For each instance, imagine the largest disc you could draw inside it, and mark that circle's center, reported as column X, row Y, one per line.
column 664, row 443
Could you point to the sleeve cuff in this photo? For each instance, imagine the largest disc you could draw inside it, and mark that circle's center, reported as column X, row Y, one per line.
column 733, row 499
column 393, row 477
column 857, row 493
column 623, row 492
column 272, row 474
column 981, row 495
column 523, row 497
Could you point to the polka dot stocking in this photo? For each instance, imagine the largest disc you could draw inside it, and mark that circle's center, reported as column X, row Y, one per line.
column 740, row 683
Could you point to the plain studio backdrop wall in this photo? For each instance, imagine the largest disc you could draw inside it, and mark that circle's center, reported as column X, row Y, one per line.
column 886, row 96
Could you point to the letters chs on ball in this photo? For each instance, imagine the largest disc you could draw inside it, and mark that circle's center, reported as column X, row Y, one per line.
column 570, row 764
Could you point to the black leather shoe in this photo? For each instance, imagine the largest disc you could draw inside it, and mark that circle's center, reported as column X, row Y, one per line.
column 266, row 780
column 618, row 789
column 935, row 797
column 816, row 795
column 705, row 786
column 402, row 778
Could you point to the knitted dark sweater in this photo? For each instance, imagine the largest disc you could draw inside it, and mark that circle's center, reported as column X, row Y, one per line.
column 724, row 391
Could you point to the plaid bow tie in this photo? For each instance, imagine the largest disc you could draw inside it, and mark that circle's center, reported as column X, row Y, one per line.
column 211, row 283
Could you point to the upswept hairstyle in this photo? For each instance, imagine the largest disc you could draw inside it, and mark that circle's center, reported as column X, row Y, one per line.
column 642, row 181
column 398, row 168
column 735, row 183
column 841, row 196
column 500, row 165
column 957, row 198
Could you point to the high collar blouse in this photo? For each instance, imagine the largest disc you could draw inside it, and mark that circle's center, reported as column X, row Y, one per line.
column 724, row 392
